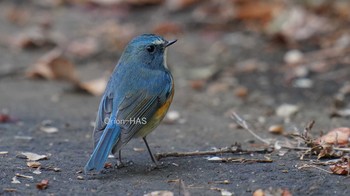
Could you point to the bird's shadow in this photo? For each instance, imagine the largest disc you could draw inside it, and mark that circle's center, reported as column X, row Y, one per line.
column 141, row 170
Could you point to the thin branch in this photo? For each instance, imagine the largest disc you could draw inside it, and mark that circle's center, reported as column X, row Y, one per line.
column 308, row 166
column 241, row 160
column 244, row 124
column 233, row 149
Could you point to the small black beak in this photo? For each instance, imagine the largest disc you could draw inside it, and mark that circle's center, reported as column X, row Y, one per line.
column 170, row 43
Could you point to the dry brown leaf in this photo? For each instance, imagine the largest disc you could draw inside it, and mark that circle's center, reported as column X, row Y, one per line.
column 217, row 87
column 33, row 164
column 53, row 65
column 35, row 38
column 259, row 192
column 17, row 15
column 167, row 28
column 241, row 92
column 340, row 169
column 84, row 48
column 276, row 129
column 43, row 184
column 297, row 24
column 340, row 136
column 215, row 12
column 257, row 10
column 197, row 84
column 33, row 156
column 95, row 87
column 115, row 35
column 108, row 165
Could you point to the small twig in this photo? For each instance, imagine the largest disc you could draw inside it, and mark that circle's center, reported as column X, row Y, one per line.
column 244, row 124
column 308, row 166
column 241, row 160
column 185, row 191
column 342, row 149
column 233, row 149
column 295, row 147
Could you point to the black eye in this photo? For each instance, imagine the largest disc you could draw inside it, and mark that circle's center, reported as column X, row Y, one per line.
column 151, row 48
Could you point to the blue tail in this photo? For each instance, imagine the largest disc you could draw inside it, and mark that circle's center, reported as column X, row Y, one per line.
column 103, row 148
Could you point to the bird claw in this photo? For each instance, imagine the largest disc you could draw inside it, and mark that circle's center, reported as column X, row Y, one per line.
column 120, row 164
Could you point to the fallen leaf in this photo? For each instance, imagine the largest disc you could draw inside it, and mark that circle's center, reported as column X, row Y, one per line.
column 217, row 87
column 4, row 152
column 35, row 38
column 80, row 177
column 95, row 87
column 241, row 92
column 42, row 185
column 84, row 48
column 340, row 113
column 33, row 164
column 287, row 110
column 37, row 171
column 53, row 65
column 340, row 169
column 226, row 193
column 167, row 28
column 33, row 156
column 272, row 191
column 17, row 15
column 257, row 10
column 297, row 24
column 276, row 129
column 250, row 65
column 340, row 136
column 160, row 193
column 15, row 180
column 197, row 84
column 49, row 129
column 108, row 165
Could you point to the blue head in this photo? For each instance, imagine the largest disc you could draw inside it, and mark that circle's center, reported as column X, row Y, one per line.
column 148, row 50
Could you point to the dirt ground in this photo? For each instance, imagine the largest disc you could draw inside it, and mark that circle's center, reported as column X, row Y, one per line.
column 204, row 109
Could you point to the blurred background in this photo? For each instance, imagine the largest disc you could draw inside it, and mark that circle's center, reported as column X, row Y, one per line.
column 275, row 62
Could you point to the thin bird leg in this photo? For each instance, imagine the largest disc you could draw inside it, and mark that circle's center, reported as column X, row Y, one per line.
column 119, row 161
column 150, row 152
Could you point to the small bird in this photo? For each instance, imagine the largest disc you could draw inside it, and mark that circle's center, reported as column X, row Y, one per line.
column 136, row 99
